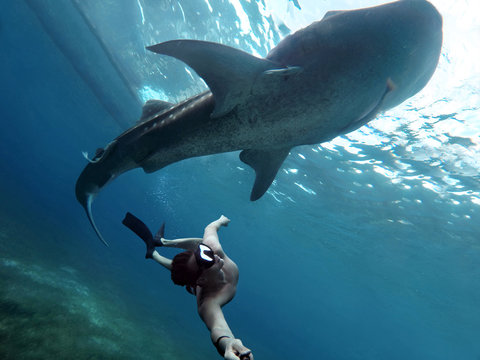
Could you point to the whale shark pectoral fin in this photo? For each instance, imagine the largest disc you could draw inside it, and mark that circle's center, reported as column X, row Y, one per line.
column 228, row 72
column 153, row 107
column 390, row 86
column 266, row 164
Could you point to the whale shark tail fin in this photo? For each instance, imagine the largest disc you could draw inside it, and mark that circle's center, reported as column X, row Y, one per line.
column 266, row 164
column 87, row 205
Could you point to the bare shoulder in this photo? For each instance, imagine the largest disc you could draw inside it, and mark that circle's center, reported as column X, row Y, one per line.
column 231, row 270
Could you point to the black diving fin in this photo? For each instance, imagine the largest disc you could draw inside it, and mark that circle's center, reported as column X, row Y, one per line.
column 159, row 236
column 139, row 228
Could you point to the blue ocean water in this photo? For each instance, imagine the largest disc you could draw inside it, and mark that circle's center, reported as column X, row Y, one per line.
column 366, row 247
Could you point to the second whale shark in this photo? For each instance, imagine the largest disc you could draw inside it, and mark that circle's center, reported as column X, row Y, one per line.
column 323, row 81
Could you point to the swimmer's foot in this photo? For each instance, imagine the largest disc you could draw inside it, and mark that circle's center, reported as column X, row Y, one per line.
column 139, row 228
column 224, row 221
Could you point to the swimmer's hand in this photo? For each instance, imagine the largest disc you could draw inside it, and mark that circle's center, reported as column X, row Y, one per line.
column 234, row 350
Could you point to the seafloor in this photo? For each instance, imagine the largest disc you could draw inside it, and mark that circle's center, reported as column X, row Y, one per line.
column 49, row 310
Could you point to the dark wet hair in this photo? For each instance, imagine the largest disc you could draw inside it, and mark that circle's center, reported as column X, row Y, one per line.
column 182, row 273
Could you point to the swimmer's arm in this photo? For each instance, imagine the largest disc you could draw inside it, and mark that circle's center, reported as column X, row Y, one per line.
column 212, row 315
column 220, row 333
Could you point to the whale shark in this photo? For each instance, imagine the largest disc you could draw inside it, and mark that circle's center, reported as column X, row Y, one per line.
column 320, row 82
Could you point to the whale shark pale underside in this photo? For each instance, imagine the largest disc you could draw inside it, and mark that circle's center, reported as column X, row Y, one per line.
column 325, row 80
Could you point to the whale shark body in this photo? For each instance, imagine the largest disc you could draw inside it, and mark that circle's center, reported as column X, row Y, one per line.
column 323, row 81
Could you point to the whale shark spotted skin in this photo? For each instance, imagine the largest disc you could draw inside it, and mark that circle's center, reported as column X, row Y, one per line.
column 323, row 81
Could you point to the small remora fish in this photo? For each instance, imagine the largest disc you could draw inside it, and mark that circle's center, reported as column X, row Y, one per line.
column 323, row 81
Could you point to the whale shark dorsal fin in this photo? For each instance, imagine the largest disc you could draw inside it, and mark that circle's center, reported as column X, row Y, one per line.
column 228, row 72
column 266, row 164
column 152, row 107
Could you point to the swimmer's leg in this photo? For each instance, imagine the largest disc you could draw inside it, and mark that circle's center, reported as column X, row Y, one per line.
column 186, row 243
column 162, row 260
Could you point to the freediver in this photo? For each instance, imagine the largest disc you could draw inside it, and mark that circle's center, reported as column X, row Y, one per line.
column 206, row 272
